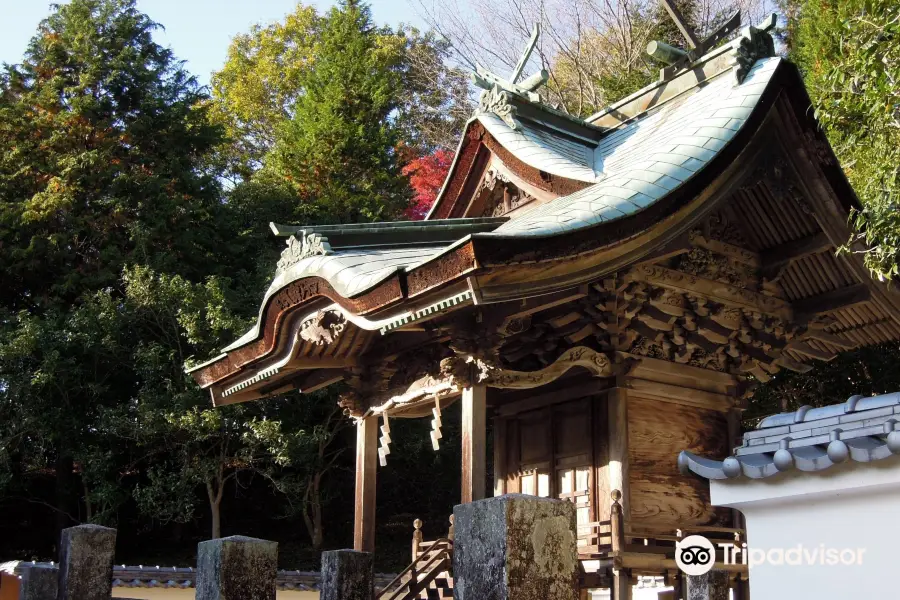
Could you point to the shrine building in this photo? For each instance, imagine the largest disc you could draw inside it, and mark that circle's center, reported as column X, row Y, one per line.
column 605, row 291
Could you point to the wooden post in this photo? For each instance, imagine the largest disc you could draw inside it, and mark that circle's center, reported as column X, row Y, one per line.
column 618, row 446
column 499, row 457
column 417, row 538
column 474, row 426
column 616, row 523
column 366, row 467
column 621, row 584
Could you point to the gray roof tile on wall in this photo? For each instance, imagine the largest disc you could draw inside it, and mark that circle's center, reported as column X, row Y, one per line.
column 810, row 439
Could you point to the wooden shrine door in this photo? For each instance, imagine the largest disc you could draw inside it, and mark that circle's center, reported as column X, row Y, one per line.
column 550, row 455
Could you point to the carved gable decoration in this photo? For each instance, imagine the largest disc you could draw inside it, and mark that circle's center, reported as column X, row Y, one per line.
column 304, row 246
column 324, row 328
column 498, row 195
column 754, row 45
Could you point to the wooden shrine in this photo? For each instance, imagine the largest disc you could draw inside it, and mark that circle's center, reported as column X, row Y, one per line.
column 602, row 292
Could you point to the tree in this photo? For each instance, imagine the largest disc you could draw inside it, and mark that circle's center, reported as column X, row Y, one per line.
column 435, row 102
column 255, row 94
column 426, row 176
column 867, row 371
column 849, row 52
column 103, row 165
column 339, row 148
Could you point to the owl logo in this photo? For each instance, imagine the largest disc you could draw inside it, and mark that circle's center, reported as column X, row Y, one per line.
column 695, row 555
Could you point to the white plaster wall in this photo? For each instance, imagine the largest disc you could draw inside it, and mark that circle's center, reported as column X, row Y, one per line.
column 852, row 506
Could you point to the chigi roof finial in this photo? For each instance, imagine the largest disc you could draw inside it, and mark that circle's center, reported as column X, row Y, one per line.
column 496, row 95
column 677, row 58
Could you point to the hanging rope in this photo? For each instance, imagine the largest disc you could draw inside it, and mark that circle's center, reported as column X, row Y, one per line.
column 385, row 440
column 436, row 425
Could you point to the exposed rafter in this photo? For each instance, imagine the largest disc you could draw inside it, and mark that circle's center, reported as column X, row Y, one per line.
column 853, row 295
column 776, row 260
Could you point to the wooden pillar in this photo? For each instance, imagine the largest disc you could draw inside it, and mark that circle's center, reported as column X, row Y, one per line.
column 621, row 585
column 618, row 446
column 500, row 456
column 366, row 467
column 474, row 429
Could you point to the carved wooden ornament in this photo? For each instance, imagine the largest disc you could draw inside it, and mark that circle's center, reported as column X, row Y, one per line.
column 324, row 328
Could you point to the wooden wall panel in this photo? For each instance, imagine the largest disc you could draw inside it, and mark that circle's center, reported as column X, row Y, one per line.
column 661, row 497
column 601, row 501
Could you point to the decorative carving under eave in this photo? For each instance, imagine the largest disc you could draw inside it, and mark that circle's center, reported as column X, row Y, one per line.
column 458, row 372
column 711, row 265
column 714, row 290
column 719, row 227
column 304, row 246
column 501, row 196
column 324, row 328
column 469, row 370
column 352, row 403
column 496, row 101
column 754, row 45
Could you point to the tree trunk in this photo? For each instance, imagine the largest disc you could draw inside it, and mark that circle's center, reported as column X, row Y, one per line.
column 215, row 507
column 317, row 533
column 64, row 467
column 88, row 507
column 216, row 521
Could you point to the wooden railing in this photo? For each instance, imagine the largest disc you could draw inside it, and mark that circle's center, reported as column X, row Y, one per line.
column 430, row 560
column 612, row 537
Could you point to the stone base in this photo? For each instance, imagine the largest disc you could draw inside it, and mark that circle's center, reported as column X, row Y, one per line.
column 347, row 575
column 711, row 586
column 38, row 581
column 515, row 547
column 86, row 555
column 236, row 568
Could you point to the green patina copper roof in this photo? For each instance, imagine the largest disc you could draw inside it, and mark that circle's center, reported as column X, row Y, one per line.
column 396, row 233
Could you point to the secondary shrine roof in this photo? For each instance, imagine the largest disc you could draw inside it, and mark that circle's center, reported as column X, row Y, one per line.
column 810, row 440
column 645, row 159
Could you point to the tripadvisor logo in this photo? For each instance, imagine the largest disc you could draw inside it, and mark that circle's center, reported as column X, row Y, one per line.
column 695, row 555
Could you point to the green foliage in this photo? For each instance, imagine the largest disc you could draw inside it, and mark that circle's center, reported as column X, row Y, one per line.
column 339, row 147
column 102, row 165
column 849, row 51
column 255, row 92
column 868, row 371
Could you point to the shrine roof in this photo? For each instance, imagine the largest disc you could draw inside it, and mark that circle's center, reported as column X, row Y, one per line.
column 650, row 156
column 552, row 152
column 602, row 195
column 809, row 439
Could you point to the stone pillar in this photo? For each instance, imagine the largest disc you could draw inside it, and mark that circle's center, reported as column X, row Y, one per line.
column 38, row 581
column 236, row 568
column 515, row 547
column 347, row 575
column 86, row 555
column 710, row 586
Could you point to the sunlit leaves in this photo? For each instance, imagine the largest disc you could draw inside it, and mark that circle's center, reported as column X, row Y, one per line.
column 849, row 51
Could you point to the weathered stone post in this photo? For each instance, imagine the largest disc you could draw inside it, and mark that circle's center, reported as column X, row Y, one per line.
column 709, row 586
column 36, row 581
column 347, row 575
column 515, row 547
column 86, row 555
column 236, row 568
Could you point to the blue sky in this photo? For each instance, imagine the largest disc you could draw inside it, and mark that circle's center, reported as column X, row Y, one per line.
column 199, row 31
